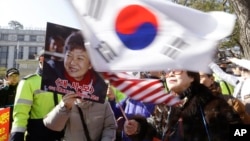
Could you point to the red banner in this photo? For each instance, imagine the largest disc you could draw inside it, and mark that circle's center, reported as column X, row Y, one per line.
column 4, row 123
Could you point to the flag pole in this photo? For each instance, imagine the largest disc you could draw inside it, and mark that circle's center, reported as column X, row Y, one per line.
column 118, row 102
column 17, row 53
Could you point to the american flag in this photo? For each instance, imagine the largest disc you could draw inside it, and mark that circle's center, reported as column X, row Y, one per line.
column 146, row 90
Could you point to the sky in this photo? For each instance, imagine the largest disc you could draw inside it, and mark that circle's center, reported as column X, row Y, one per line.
column 36, row 13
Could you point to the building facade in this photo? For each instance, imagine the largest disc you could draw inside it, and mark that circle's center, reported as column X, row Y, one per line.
column 18, row 48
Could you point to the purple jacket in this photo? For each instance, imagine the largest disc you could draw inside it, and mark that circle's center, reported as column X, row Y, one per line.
column 131, row 107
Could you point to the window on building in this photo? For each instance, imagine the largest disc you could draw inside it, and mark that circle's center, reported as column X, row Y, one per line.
column 3, row 56
column 13, row 37
column 40, row 38
column 18, row 54
column 20, row 37
column 4, row 37
column 19, row 50
column 32, row 52
column 33, row 38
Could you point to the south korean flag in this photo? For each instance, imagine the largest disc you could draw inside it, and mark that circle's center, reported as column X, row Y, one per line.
column 150, row 35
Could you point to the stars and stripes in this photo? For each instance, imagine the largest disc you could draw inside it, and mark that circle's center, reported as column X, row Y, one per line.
column 146, row 90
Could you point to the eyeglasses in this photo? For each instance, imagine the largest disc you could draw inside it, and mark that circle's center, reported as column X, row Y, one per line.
column 175, row 72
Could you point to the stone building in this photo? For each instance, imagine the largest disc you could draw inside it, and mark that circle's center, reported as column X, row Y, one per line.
column 18, row 48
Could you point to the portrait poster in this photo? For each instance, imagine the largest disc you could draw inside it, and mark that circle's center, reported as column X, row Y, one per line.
column 72, row 76
column 4, row 123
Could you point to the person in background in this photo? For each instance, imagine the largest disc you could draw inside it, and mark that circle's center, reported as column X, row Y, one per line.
column 208, row 80
column 55, row 49
column 241, row 84
column 8, row 90
column 119, row 96
column 54, row 53
column 83, row 120
column 226, row 88
column 56, row 45
column 199, row 116
column 131, row 107
column 31, row 105
column 236, row 69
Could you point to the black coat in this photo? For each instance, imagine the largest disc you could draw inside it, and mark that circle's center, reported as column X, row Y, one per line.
column 202, row 116
column 7, row 99
column 7, row 95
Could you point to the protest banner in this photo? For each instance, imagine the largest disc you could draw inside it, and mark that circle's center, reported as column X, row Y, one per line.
column 4, row 123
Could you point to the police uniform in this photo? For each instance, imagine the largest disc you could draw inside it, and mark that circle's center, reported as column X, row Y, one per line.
column 31, row 105
column 226, row 89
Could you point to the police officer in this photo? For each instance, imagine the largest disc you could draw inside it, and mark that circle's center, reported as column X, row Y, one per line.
column 31, row 105
column 8, row 90
column 226, row 88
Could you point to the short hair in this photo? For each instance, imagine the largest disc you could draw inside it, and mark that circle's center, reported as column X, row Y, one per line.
column 57, row 38
column 75, row 40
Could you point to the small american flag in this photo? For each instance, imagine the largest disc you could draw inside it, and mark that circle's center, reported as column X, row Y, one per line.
column 146, row 90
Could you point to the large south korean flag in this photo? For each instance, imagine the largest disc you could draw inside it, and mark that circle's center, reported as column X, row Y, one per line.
column 148, row 35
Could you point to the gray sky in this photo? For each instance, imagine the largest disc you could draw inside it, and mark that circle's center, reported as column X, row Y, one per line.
column 36, row 13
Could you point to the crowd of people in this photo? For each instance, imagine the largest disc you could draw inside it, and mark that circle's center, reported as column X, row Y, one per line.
column 204, row 113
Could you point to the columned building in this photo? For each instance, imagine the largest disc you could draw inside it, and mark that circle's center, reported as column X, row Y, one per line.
column 18, row 48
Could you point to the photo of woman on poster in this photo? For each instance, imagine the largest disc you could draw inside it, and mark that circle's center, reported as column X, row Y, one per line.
column 74, row 72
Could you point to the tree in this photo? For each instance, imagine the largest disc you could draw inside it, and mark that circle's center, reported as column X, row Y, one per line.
column 15, row 25
column 230, row 42
column 242, row 10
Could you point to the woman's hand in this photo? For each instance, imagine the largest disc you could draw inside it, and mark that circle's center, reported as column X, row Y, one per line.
column 131, row 127
column 69, row 100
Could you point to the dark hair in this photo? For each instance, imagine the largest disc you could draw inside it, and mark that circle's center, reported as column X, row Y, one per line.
column 57, row 38
column 194, row 75
column 209, row 75
column 75, row 40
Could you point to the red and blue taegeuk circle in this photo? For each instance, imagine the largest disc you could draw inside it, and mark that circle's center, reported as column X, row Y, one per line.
column 136, row 26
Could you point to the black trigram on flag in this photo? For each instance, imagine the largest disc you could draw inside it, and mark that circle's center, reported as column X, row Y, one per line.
column 174, row 48
column 106, row 51
column 95, row 8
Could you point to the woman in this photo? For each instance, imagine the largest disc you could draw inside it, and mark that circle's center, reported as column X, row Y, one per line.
column 200, row 116
column 83, row 120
